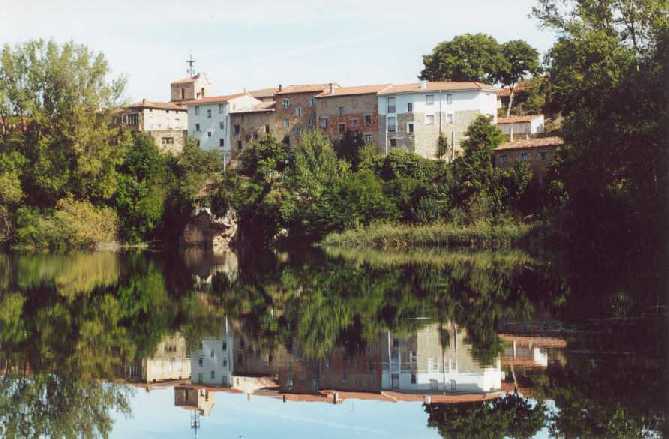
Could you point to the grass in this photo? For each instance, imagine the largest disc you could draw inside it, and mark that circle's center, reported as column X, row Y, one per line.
column 481, row 235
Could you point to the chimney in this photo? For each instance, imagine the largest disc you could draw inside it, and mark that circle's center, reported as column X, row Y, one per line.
column 280, row 87
column 331, row 85
column 423, row 84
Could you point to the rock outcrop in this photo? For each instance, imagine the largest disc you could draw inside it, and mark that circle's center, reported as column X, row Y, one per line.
column 216, row 234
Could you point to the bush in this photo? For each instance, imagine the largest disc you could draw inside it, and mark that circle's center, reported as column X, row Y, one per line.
column 73, row 224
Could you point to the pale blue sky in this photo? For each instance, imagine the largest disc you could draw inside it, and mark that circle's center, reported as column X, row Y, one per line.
column 261, row 43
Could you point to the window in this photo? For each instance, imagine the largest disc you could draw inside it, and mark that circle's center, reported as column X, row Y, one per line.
column 199, row 377
column 340, row 111
column 368, row 120
column 543, row 155
column 286, row 103
column 410, row 107
column 298, row 111
column 410, row 127
column 221, row 125
column 449, row 99
column 183, row 94
column 412, row 356
column 391, row 104
column 220, row 108
column 502, row 158
column 239, row 144
column 341, row 128
column 208, row 113
column 286, row 123
column 392, row 124
column 323, row 122
column 312, row 101
column 267, row 131
column 298, row 131
column 167, row 140
column 225, row 363
column 237, row 129
column 221, row 143
column 255, row 136
column 393, row 143
column 524, row 155
column 197, row 110
column 368, row 139
column 450, row 119
column 202, row 92
column 429, row 99
column 212, row 374
column 224, row 346
column 200, row 361
column 208, row 133
column 197, row 127
column 354, row 124
column 413, row 378
column 211, row 354
column 429, row 119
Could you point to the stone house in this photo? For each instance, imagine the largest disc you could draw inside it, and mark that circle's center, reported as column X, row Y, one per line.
column 252, row 124
column 350, row 109
column 209, row 119
column 193, row 87
column 521, row 127
column 413, row 116
column 538, row 153
column 166, row 122
column 295, row 110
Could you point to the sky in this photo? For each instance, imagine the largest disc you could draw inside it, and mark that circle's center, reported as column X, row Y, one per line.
column 262, row 43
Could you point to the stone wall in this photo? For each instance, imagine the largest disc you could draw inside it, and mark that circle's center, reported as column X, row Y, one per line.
column 537, row 158
column 296, row 124
column 169, row 141
column 354, row 110
column 253, row 126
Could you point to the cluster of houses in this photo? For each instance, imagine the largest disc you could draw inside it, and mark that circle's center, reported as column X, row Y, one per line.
column 395, row 367
column 411, row 116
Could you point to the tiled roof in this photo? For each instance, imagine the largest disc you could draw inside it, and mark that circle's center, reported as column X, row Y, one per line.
column 263, row 92
column 506, row 91
column 417, row 87
column 158, row 105
column 358, row 90
column 263, row 107
column 537, row 142
column 212, row 99
column 303, row 88
column 517, row 119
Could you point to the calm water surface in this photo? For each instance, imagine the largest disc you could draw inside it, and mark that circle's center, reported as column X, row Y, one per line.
column 308, row 344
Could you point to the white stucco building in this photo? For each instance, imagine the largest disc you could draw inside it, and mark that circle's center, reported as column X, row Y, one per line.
column 213, row 363
column 209, row 119
column 413, row 116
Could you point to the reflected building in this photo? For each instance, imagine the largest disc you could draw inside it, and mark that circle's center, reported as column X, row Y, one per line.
column 170, row 361
column 436, row 360
column 532, row 351
column 194, row 398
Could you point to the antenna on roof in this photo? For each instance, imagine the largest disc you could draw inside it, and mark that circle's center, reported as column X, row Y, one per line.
column 190, row 61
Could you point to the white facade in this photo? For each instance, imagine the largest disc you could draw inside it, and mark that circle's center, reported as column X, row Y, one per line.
column 522, row 125
column 209, row 120
column 159, row 119
column 213, row 364
column 483, row 101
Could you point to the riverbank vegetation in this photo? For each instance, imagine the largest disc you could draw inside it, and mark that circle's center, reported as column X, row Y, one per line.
column 69, row 177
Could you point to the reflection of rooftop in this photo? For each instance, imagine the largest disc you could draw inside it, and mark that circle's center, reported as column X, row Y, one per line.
column 194, row 398
column 530, row 352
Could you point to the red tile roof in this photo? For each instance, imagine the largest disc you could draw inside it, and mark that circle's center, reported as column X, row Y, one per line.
column 263, row 92
column 212, row 99
column 417, row 87
column 537, row 142
column 158, row 105
column 263, row 107
column 517, row 119
column 357, row 90
column 304, row 88
column 506, row 91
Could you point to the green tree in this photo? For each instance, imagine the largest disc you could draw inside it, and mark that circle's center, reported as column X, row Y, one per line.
column 468, row 57
column 520, row 61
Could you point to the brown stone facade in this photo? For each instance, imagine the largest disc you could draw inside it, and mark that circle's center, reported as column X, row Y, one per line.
column 169, row 141
column 295, row 113
column 355, row 113
column 248, row 126
column 537, row 158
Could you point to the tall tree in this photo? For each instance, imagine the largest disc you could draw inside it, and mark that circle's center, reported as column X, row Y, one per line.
column 55, row 104
column 468, row 57
column 520, row 61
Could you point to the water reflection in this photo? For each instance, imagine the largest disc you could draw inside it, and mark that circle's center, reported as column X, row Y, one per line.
column 486, row 343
